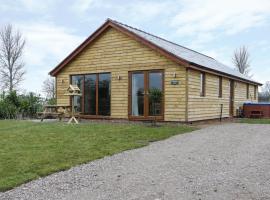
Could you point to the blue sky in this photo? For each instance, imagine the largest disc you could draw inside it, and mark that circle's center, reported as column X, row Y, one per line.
column 53, row 28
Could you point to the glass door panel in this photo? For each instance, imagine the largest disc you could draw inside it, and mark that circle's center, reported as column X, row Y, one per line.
column 155, row 91
column 77, row 80
column 137, row 94
column 90, row 94
column 104, row 94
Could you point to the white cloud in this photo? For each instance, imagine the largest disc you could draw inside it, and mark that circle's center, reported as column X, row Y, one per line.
column 136, row 11
column 33, row 6
column 141, row 11
column 45, row 40
column 81, row 6
column 46, row 45
column 261, row 74
column 262, row 45
column 195, row 23
column 211, row 16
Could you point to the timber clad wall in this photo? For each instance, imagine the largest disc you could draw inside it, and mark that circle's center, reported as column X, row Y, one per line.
column 208, row 106
column 117, row 53
column 240, row 94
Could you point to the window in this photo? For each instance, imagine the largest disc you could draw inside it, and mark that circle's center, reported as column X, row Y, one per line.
column 77, row 80
column 247, row 91
column 104, row 94
column 96, row 94
column 146, row 93
column 138, row 88
column 90, row 94
column 220, row 87
column 202, row 84
column 255, row 92
column 155, row 93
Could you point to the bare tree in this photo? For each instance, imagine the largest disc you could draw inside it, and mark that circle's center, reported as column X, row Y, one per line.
column 241, row 60
column 266, row 88
column 48, row 88
column 11, row 51
column 264, row 95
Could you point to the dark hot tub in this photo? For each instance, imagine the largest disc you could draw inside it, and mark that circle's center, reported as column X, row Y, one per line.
column 256, row 110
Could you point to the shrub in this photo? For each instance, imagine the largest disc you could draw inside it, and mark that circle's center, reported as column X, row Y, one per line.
column 12, row 105
column 7, row 110
column 51, row 101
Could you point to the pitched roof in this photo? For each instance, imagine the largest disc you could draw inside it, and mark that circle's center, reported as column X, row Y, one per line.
column 184, row 54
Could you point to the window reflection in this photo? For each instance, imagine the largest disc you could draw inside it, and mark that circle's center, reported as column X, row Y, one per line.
column 104, row 94
column 77, row 80
column 138, row 94
column 90, row 94
column 90, row 88
column 155, row 93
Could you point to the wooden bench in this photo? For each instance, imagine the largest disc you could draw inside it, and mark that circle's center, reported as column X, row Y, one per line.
column 48, row 115
column 256, row 114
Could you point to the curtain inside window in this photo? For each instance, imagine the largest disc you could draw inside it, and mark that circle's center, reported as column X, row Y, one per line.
column 135, row 88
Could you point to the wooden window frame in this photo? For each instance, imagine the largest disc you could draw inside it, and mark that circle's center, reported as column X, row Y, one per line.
column 247, row 92
column 146, row 115
column 202, row 84
column 220, row 86
column 82, row 92
column 82, row 98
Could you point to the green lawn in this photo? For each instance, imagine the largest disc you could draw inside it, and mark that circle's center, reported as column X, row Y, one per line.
column 255, row 121
column 30, row 150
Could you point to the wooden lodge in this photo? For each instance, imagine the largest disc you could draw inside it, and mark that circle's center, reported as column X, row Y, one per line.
column 125, row 73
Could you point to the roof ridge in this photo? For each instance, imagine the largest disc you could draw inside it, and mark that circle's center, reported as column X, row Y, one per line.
column 159, row 37
column 169, row 49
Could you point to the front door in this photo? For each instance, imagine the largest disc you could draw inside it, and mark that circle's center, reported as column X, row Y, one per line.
column 146, row 95
column 231, row 97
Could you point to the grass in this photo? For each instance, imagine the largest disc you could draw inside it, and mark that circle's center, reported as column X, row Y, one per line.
column 254, row 121
column 31, row 150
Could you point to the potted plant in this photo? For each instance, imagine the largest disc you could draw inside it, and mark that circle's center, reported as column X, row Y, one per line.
column 155, row 97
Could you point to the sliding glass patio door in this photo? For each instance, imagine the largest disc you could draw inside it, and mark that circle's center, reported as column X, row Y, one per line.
column 90, row 83
column 96, row 94
column 146, row 94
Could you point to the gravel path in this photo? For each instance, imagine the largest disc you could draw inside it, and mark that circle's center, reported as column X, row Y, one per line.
column 230, row 161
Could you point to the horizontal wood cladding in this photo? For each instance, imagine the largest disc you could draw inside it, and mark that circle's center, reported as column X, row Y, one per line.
column 240, row 96
column 118, row 54
column 209, row 106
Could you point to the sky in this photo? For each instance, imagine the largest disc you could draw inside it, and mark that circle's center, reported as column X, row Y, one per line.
column 53, row 28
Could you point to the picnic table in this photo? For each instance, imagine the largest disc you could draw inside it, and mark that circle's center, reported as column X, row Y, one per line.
column 59, row 111
column 55, row 111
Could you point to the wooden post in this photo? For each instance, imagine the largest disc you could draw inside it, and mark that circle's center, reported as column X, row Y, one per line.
column 73, row 118
column 221, row 110
column 73, row 91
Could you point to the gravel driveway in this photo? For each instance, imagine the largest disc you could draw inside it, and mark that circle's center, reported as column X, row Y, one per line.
column 230, row 161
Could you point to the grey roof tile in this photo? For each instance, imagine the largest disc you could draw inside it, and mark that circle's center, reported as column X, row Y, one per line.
column 186, row 53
